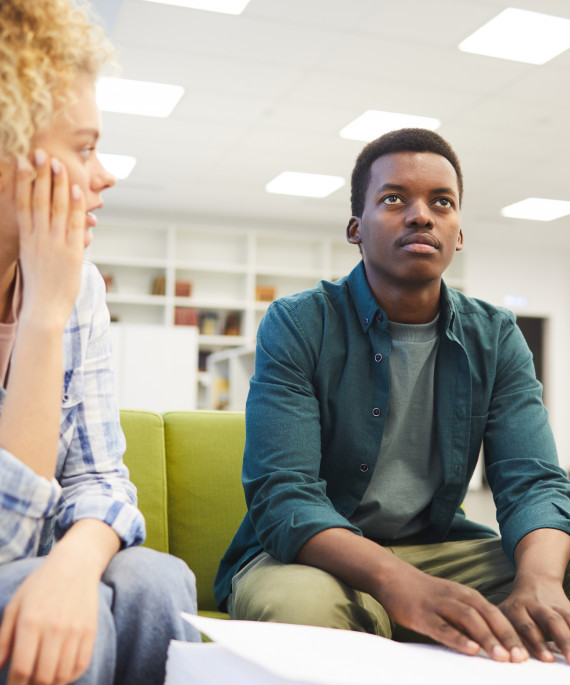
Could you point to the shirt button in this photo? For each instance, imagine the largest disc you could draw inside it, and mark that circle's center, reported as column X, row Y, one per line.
column 378, row 357
column 65, row 398
column 379, row 317
column 376, row 412
column 364, row 468
column 366, row 320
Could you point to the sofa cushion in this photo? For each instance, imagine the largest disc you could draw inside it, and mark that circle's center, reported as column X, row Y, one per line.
column 205, row 497
column 145, row 459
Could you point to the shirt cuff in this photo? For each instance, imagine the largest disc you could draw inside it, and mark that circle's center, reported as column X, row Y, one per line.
column 124, row 518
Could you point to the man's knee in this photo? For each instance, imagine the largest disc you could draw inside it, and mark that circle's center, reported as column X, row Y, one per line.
column 295, row 593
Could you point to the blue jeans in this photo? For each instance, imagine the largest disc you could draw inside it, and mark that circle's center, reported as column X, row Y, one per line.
column 141, row 595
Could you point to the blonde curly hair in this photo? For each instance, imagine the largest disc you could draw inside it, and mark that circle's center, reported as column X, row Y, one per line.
column 45, row 46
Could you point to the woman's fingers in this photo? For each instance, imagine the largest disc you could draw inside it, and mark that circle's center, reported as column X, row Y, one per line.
column 59, row 198
column 77, row 217
column 25, row 176
column 41, row 193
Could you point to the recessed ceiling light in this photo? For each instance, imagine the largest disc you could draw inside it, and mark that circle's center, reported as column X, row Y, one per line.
column 375, row 123
column 537, row 209
column 137, row 97
column 521, row 36
column 305, row 185
column 118, row 165
column 224, row 6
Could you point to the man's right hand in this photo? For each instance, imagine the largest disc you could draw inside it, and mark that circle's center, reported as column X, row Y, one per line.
column 455, row 615
column 449, row 613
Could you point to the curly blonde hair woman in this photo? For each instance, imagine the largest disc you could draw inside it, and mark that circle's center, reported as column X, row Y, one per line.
column 74, row 604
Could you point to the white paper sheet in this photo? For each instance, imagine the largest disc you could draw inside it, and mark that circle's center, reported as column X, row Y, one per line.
column 255, row 653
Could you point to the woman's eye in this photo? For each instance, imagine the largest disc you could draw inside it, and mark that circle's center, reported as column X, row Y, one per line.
column 86, row 152
column 391, row 200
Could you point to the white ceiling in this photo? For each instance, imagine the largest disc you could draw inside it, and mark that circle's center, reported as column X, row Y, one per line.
column 269, row 90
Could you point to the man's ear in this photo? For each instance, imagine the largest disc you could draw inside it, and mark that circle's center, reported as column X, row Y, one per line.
column 353, row 230
column 459, row 245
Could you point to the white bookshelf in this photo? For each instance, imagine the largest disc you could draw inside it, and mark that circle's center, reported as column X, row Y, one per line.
column 224, row 265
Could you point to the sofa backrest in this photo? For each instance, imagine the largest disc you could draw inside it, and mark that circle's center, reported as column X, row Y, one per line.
column 204, row 454
column 187, row 469
column 146, row 460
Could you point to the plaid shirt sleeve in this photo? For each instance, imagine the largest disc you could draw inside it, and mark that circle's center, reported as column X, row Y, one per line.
column 95, row 481
column 91, row 480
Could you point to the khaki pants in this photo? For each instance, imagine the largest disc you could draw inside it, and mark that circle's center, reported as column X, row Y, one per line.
column 267, row 590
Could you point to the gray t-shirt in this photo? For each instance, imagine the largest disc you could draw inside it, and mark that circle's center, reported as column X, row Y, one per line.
column 408, row 471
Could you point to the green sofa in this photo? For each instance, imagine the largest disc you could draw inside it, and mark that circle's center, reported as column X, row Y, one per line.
column 187, row 469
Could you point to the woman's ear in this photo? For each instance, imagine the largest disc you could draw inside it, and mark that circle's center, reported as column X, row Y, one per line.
column 353, row 230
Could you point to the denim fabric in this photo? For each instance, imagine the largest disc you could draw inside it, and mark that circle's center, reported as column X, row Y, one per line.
column 141, row 595
column 316, row 410
column 91, row 480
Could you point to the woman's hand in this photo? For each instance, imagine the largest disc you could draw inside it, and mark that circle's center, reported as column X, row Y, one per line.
column 51, row 218
column 49, row 626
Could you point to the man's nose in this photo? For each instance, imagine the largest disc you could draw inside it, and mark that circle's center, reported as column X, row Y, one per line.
column 419, row 214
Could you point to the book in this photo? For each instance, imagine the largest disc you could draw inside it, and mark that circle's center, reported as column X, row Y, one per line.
column 256, row 653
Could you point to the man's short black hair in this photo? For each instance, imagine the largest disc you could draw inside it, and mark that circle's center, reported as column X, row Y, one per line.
column 402, row 140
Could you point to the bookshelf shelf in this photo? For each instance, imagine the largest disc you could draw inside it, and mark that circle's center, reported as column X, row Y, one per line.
column 226, row 269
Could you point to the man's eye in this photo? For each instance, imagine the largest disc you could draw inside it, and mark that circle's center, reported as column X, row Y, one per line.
column 444, row 202
column 391, row 200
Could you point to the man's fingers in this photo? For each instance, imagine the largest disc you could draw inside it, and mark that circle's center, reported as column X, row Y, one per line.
column 487, row 626
column 451, row 637
column 551, row 623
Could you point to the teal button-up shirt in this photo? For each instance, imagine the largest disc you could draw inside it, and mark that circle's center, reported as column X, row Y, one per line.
column 316, row 411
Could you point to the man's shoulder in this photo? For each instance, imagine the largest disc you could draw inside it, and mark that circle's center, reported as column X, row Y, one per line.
column 324, row 295
column 478, row 311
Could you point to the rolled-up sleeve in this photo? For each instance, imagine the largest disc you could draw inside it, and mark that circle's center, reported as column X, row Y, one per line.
column 27, row 499
column 95, row 481
column 530, row 489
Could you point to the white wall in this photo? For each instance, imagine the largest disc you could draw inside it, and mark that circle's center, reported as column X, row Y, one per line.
column 541, row 274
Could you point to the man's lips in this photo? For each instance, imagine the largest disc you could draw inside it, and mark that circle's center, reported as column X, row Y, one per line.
column 424, row 243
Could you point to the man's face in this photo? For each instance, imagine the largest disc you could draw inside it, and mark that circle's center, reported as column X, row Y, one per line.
column 410, row 225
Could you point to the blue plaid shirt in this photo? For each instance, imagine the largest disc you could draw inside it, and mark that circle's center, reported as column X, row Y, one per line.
column 90, row 480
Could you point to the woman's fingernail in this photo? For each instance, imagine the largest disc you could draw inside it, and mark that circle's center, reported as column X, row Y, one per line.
column 75, row 192
column 23, row 164
column 55, row 165
column 40, row 157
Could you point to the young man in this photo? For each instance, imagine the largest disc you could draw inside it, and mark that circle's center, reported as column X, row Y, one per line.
column 370, row 401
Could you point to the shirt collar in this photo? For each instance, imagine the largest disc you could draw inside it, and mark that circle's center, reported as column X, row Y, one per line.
column 368, row 310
